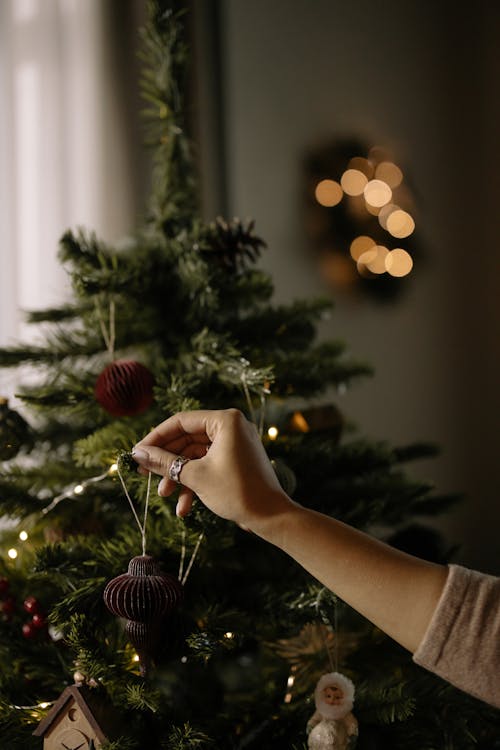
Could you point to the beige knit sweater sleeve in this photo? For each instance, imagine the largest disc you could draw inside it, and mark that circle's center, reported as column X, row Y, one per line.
column 462, row 642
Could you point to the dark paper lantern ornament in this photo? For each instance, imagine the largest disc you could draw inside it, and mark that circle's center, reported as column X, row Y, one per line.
column 124, row 388
column 144, row 596
column 15, row 433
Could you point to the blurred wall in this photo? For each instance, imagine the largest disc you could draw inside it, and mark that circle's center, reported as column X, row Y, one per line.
column 421, row 79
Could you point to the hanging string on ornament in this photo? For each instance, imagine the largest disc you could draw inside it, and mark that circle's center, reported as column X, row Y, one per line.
column 333, row 660
column 141, row 526
column 109, row 333
column 183, row 576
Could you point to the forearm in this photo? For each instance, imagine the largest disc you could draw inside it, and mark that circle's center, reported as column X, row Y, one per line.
column 395, row 591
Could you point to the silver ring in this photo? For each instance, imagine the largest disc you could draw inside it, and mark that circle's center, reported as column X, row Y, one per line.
column 176, row 468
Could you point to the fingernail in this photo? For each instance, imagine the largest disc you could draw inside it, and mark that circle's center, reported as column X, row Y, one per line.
column 139, row 454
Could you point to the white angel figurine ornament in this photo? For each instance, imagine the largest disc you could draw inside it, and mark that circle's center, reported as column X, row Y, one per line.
column 333, row 726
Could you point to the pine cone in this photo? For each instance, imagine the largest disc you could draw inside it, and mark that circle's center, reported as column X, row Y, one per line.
column 231, row 244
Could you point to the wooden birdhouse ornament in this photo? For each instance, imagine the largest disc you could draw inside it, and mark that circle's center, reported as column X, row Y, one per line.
column 74, row 722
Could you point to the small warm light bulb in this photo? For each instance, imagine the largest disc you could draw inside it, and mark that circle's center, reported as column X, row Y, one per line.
column 289, row 685
column 43, row 705
column 135, row 657
column 12, row 553
column 78, row 489
column 113, row 469
column 298, row 422
column 23, row 535
column 229, row 635
column 272, row 433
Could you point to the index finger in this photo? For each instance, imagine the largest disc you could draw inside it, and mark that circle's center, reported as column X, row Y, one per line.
column 185, row 427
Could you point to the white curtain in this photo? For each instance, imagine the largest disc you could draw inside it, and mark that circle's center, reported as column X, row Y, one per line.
column 63, row 151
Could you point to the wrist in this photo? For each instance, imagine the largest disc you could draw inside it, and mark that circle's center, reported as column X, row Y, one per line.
column 272, row 525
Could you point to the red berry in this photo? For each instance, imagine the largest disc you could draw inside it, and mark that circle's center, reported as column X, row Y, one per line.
column 28, row 630
column 4, row 586
column 38, row 621
column 31, row 605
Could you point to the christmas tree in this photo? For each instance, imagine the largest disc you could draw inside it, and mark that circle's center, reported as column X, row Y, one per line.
column 183, row 318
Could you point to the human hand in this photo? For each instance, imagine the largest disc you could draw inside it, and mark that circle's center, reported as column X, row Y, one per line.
column 228, row 469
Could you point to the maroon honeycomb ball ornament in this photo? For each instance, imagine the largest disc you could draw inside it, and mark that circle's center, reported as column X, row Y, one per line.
column 124, row 388
column 144, row 596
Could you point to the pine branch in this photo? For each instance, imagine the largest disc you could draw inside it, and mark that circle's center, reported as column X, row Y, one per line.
column 16, row 726
column 186, row 737
column 165, row 57
column 102, row 446
column 62, row 314
column 309, row 373
column 385, row 704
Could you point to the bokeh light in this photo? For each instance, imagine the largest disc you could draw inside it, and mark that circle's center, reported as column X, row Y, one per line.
column 389, row 173
column 377, row 263
column 337, row 269
column 298, row 422
column 369, row 256
column 361, row 164
column 400, row 224
column 360, row 245
column 353, row 182
column 328, row 193
column 373, row 210
column 379, row 154
column 377, row 193
column 384, row 214
column 12, row 553
column 398, row 262
column 23, row 535
column 272, row 433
